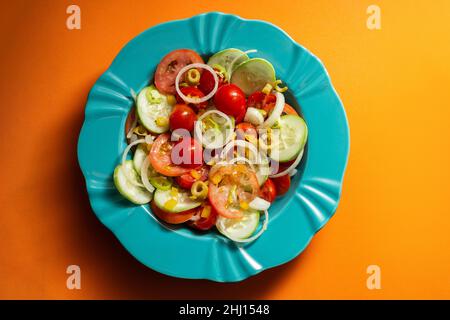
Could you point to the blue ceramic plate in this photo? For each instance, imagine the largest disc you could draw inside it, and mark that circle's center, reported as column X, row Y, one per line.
column 294, row 218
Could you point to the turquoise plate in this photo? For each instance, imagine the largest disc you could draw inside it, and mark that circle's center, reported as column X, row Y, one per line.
column 294, row 218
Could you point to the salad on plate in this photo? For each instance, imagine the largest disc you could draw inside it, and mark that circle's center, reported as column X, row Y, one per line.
column 211, row 144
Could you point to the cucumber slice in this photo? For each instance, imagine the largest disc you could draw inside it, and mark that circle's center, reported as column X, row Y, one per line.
column 182, row 201
column 152, row 105
column 287, row 141
column 135, row 194
column 139, row 156
column 225, row 57
column 253, row 74
column 239, row 228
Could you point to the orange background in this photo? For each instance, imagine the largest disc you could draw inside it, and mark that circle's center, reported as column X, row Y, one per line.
column 395, row 207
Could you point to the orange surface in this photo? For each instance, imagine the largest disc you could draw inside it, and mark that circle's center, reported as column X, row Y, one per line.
column 395, row 208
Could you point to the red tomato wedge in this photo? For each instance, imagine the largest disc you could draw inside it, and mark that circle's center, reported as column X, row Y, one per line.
column 170, row 65
column 170, row 217
column 234, row 179
column 160, row 157
column 268, row 191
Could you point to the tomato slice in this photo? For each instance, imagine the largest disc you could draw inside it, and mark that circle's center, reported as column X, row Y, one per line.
column 235, row 181
column 170, row 217
column 187, row 180
column 160, row 157
column 203, row 223
column 170, row 65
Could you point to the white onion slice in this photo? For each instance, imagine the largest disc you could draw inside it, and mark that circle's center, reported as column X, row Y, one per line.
column 293, row 172
column 290, row 168
column 199, row 134
column 124, row 158
column 276, row 112
column 256, row 236
column 196, row 100
column 242, row 144
column 230, row 68
column 144, row 175
column 254, row 116
column 259, row 204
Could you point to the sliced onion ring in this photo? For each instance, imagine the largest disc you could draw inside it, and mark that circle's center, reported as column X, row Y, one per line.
column 196, row 100
column 291, row 167
column 198, row 128
column 276, row 112
column 144, row 175
column 242, row 144
column 124, row 158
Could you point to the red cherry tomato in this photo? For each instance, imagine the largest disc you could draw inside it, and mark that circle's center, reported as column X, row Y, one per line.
column 187, row 180
column 170, row 217
column 204, row 223
column 188, row 153
column 170, row 65
column 268, row 190
column 231, row 100
column 282, row 184
column 206, row 84
column 261, row 100
column 160, row 157
column 192, row 92
column 182, row 117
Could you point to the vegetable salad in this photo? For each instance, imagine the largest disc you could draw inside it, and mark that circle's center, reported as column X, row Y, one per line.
column 213, row 144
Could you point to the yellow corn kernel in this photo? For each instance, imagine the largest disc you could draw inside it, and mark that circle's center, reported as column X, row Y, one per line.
column 170, row 204
column 174, row 192
column 195, row 174
column 216, row 179
column 243, row 205
column 231, row 194
column 162, row 121
column 171, row 99
column 250, row 138
column 206, row 212
column 267, row 88
column 263, row 112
